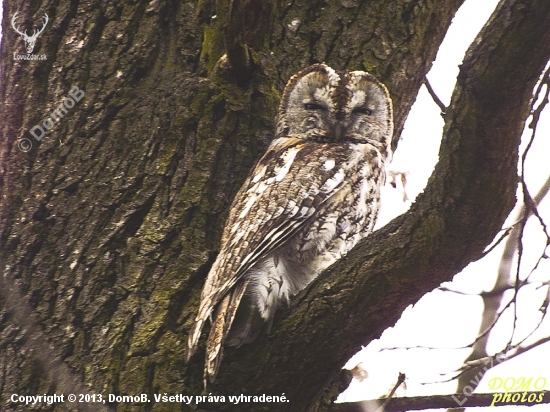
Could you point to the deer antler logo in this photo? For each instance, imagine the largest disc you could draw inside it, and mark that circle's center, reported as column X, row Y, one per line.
column 29, row 40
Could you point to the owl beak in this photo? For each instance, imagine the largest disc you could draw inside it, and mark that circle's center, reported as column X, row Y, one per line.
column 339, row 131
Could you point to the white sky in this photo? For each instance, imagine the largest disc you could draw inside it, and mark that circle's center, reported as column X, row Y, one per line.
column 442, row 319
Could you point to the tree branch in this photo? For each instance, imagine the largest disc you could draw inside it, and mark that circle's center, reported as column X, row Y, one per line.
column 110, row 235
column 434, row 96
column 468, row 197
column 450, row 402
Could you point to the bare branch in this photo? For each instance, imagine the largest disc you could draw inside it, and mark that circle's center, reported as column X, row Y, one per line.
column 417, row 403
column 435, row 98
column 400, row 380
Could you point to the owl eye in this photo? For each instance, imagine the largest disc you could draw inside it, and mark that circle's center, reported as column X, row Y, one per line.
column 362, row 110
column 313, row 106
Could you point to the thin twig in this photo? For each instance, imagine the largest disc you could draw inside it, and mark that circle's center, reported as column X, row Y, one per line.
column 400, row 380
column 436, row 99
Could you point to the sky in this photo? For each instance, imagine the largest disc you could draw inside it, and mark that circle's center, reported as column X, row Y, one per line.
column 442, row 319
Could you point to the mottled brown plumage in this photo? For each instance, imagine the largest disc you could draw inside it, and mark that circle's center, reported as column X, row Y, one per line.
column 306, row 203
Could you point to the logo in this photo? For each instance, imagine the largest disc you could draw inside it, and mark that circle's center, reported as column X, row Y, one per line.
column 29, row 40
column 38, row 132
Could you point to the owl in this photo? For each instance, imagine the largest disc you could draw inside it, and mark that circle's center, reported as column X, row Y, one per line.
column 311, row 197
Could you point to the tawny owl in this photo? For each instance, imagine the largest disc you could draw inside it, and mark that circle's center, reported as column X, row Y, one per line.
column 306, row 203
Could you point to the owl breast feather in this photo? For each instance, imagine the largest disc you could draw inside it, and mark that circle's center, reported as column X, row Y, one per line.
column 305, row 205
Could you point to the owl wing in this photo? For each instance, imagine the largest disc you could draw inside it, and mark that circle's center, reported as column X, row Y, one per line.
column 285, row 188
column 289, row 183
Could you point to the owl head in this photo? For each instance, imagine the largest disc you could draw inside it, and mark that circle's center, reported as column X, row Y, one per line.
column 321, row 104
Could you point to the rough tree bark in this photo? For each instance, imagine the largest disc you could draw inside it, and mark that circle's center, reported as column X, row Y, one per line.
column 109, row 225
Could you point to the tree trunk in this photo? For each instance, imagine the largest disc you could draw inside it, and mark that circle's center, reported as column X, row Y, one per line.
column 109, row 224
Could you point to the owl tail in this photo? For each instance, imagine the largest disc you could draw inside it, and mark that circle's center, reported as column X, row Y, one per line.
column 195, row 334
column 223, row 319
column 208, row 302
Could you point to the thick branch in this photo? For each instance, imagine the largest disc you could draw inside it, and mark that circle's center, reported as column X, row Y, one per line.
column 467, row 199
